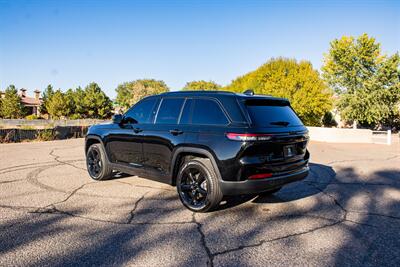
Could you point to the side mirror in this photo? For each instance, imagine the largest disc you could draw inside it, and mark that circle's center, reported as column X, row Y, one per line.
column 117, row 118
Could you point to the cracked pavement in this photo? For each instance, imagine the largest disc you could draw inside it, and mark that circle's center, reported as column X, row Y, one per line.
column 347, row 212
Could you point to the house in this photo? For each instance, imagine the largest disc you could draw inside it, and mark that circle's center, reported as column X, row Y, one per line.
column 31, row 104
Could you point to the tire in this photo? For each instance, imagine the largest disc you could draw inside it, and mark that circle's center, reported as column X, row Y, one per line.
column 205, row 181
column 96, row 156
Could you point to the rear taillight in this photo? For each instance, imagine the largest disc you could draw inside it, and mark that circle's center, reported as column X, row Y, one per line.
column 260, row 176
column 248, row 137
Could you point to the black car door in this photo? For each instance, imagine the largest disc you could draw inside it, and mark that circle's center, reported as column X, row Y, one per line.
column 124, row 144
column 160, row 138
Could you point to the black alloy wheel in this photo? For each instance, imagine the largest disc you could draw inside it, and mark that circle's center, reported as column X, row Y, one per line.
column 198, row 186
column 97, row 164
column 193, row 188
column 94, row 164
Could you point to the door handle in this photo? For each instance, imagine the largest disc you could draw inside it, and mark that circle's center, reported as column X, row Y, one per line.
column 176, row 131
column 137, row 130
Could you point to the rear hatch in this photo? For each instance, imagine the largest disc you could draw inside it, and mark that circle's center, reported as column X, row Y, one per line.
column 284, row 149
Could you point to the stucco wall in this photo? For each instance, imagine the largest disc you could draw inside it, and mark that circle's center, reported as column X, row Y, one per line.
column 337, row 135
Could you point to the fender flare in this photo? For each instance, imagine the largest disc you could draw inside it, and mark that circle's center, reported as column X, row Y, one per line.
column 195, row 150
column 98, row 138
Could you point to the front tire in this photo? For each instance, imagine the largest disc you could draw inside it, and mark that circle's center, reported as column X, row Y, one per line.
column 197, row 185
column 97, row 163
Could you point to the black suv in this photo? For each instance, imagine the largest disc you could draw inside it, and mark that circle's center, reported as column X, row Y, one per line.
column 207, row 143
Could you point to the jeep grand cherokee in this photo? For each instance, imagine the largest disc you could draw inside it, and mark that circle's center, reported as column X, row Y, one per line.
column 208, row 144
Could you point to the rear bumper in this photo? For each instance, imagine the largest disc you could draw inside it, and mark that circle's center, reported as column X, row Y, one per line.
column 262, row 185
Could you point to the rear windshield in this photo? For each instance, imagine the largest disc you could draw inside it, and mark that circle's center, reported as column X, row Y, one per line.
column 272, row 113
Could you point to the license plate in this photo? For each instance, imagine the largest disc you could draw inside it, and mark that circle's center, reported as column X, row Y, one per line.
column 289, row 151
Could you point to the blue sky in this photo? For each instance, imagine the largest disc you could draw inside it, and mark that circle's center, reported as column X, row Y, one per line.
column 71, row 43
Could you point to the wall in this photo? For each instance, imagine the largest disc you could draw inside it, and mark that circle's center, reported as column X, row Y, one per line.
column 338, row 135
column 43, row 124
column 57, row 133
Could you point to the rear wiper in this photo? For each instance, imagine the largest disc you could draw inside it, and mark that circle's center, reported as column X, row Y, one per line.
column 282, row 123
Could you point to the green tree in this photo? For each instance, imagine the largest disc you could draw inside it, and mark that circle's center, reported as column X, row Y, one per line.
column 57, row 105
column 69, row 98
column 368, row 82
column 79, row 106
column 96, row 104
column 296, row 81
column 11, row 107
column 46, row 96
column 129, row 93
column 201, row 85
column 1, row 101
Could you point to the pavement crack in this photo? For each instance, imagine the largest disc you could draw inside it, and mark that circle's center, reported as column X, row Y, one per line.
column 132, row 212
column 73, row 192
column 56, row 211
column 261, row 242
column 52, row 206
column 57, row 158
column 346, row 211
column 210, row 261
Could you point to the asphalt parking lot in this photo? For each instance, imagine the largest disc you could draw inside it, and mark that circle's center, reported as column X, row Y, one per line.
column 346, row 213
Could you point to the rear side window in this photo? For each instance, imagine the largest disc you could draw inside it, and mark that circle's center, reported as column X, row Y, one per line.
column 272, row 113
column 187, row 109
column 169, row 111
column 141, row 112
column 207, row 111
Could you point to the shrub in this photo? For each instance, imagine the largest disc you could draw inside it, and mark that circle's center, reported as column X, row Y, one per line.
column 32, row 117
column 27, row 127
column 45, row 135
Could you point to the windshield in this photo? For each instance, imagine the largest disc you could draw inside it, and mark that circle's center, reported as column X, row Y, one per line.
column 269, row 113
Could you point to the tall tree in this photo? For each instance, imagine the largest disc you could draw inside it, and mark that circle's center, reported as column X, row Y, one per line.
column 201, row 85
column 46, row 96
column 96, row 103
column 368, row 82
column 131, row 92
column 79, row 106
column 11, row 107
column 69, row 98
column 296, row 81
column 1, row 103
column 57, row 106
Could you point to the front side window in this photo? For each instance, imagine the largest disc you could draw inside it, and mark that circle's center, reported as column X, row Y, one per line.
column 169, row 111
column 207, row 111
column 142, row 112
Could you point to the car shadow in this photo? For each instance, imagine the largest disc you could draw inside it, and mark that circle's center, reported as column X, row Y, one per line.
column 320, row 173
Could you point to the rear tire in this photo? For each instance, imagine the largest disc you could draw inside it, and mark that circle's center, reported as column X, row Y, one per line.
column 197, row 185
column 97, row 163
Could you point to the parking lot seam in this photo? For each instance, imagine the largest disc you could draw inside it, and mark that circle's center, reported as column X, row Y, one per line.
column 203, row 241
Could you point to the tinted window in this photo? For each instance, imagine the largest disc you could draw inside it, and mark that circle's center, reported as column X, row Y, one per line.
column 142, row 112
column 169, row 111
column 185, row 117
column 207, row 111
column 272, row 114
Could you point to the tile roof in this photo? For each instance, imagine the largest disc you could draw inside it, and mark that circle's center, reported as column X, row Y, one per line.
column 31, row 101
